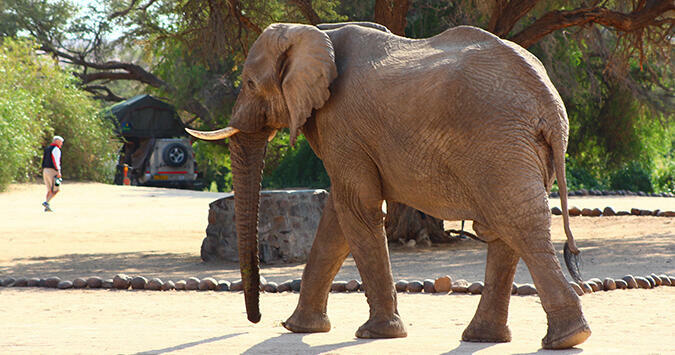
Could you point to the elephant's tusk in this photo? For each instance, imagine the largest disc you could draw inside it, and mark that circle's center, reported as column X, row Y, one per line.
column 226, row 132
column 271, row 136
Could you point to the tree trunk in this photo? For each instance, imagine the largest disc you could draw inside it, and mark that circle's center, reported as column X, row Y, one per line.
column 392, row 14
column 404, row 223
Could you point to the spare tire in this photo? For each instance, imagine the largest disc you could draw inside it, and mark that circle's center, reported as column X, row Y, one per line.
column 175, row 154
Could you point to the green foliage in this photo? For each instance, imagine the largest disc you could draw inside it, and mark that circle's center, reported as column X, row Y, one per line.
column 39, row 99
column 300, row 167
column 633, row 177
column 213, row 162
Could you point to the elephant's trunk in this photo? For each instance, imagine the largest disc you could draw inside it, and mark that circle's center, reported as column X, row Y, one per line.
column 247, row 155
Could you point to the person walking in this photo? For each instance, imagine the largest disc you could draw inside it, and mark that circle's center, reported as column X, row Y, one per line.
column 51, row 169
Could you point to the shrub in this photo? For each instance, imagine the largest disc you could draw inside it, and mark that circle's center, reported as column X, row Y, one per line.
column 633, row 176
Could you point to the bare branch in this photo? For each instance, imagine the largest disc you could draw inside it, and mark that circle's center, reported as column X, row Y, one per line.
column 507, row 13
column 305, row 7
column 123, row 12
column 645, row 15
column 109, row 95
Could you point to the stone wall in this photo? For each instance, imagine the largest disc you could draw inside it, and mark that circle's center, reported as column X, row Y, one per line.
column 287, row 224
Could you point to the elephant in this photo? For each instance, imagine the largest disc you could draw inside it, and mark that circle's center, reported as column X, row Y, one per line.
column 461, row 126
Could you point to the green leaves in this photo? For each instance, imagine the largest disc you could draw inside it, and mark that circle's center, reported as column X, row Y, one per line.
column 39, row 99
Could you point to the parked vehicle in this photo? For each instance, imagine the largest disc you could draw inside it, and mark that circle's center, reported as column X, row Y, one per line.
column 155, row 150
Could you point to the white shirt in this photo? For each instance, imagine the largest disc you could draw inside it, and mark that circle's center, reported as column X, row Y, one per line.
column 56, row 158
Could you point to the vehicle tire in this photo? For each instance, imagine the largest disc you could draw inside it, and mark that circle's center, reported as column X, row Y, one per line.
column 175, row 154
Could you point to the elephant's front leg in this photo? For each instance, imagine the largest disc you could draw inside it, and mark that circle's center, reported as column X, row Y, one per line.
column 329, row 251
column 489, row 322
column 362, row 221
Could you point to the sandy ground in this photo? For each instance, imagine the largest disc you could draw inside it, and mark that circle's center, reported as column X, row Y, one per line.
column 103, row 230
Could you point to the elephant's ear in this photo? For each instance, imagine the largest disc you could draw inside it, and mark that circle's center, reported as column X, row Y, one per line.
column 307, row 69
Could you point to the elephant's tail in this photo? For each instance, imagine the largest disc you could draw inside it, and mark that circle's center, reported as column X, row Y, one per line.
column 558, row 144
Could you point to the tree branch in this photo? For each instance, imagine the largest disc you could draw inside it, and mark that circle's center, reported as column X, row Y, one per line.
column 305, row 6
column 109, row 96
column 506, row 14
column 392, row 14
column 643, row 16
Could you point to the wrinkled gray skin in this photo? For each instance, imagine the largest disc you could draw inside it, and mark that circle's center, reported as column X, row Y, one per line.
column 462, row 126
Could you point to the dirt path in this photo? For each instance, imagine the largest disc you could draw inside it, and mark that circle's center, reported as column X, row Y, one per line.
column 103, row 230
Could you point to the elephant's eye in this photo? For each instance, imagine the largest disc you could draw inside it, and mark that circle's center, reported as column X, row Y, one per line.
column 251, row 84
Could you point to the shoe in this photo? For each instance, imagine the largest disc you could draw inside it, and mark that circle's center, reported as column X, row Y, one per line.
column 47, row 208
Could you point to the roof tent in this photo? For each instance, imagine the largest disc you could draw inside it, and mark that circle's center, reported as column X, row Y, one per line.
column 144, row 116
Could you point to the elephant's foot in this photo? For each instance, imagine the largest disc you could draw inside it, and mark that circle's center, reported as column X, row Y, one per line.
column 382, row 328
column 487, row 332
column 307, row 322
column 565, row 332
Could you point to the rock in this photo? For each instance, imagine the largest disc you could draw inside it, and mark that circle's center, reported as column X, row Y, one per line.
column 667, row 214
column 64, row 285
column 554, row 194
column 94, row 282
column 672, row 280
column 586, row 287
column 339, row 286
column 410, row 243
column 621, row 284
column 138, row 283
column 577, row 288
column 574, row 211
column 8, row 281
column 207, row 284
column 415, row 286
column 180, row 285
column 656, row 212
column 598, row 283
column 155, row 284
column 270, row 287
column 401, row 285
column 192, row 283
column 623, row 213
column 284, row 286
column 556, row 211
column 443, row 284
column 645, row 213
column 651, row 281
column 224, row 285
column 608, row 211
column 642, row 282
column 107, row 283
column 630, row 281
column 79, row 283
column 20, row 282
column 121, row 282
column 52, row 282
column 237, row 286
column 594, row 286
column 665, row 281
column 657, row 279
column 353, row 285
column 460, row 285
column 476, row 288
column 609, row 284
column 514, row 288
column 526, row 290
column 33, row 282
column 635, row 211
column 287, row 223
column 169, row 285
column 429, row 286
column 586, row 212
column 296, row 285
column 596, row 212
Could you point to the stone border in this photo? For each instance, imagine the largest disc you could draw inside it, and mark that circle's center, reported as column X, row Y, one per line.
column 441, row 285
column 608, row 211
column 584, row 192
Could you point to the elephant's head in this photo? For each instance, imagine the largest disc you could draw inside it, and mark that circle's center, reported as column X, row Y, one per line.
column 286, row 75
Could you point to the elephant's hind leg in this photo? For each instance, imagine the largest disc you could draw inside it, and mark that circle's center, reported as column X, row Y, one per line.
column 489, row 322
column 567, row 326
column 329, row 251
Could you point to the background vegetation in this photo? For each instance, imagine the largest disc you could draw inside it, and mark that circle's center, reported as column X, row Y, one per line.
column 39, row 99
column 610, row 60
